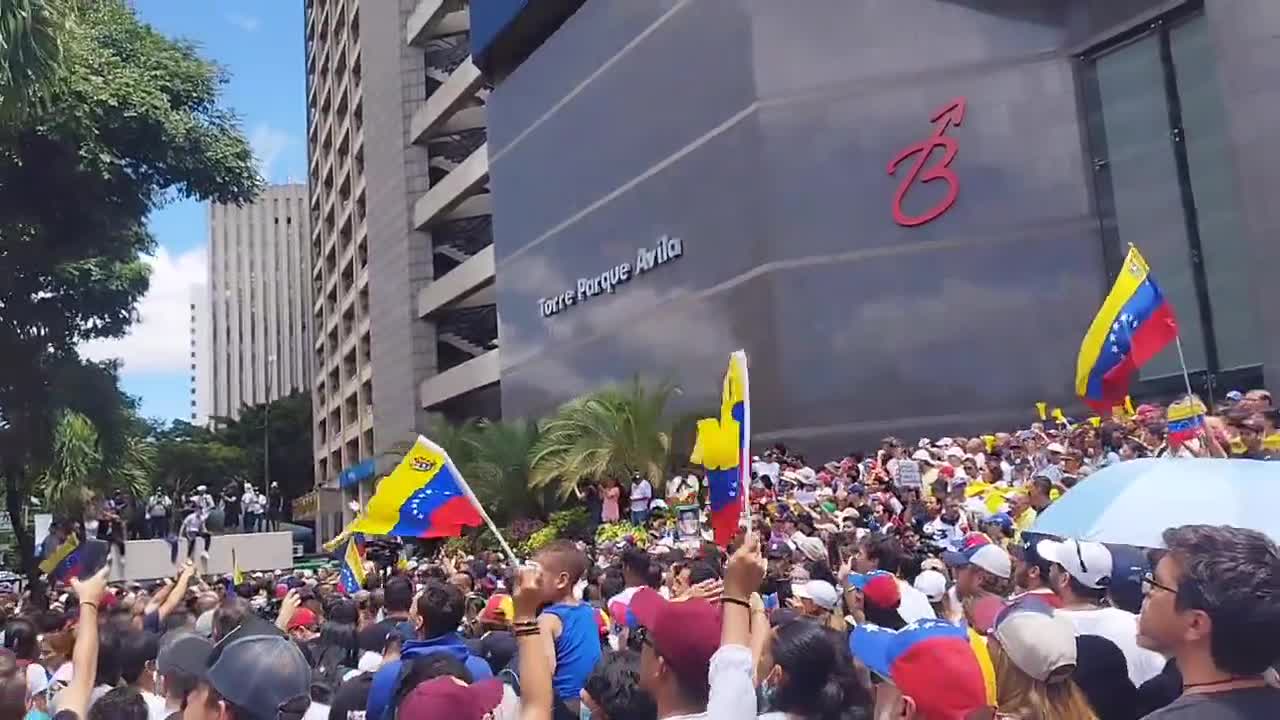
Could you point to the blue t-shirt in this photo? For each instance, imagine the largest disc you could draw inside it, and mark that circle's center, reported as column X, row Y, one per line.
column 577, row 648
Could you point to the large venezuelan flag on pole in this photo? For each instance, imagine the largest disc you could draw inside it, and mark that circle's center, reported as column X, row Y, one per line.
column 1135, row 323
column 723, row 448
column 425, row 496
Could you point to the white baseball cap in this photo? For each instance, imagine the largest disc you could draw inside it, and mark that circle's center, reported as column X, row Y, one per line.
column 1040, row 643
column 932, row 583
column 988, row 556
column 1054, row 447
column 1088, row 562
column 822, row 593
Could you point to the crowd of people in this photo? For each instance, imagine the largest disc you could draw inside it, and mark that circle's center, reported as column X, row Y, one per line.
column 121, row 517
column 908, row 582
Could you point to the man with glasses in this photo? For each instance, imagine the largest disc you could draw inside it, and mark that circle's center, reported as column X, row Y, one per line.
column 1079, row 573
column 677, row 640
column 1213, row 604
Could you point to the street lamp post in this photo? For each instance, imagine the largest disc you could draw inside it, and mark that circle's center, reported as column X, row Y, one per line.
column 266, row 441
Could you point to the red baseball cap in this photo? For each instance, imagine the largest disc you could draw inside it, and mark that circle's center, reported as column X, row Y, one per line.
column 303, row 617
column 684, row 633
column 447, row 696
column 879, row 587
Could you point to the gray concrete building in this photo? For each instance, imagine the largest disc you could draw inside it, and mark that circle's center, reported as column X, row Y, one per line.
column 906, row 212
column 259, row 300
column 404, row 317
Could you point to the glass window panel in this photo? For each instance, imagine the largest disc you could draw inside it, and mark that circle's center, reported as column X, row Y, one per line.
column 1144, row 180
column 1226, row 254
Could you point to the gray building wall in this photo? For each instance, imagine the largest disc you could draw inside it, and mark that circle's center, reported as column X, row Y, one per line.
column 403, row 347
column 760, row 134
column 259, row 299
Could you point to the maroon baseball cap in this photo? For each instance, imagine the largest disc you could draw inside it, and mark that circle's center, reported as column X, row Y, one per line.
column 684, row 633
column 447, row 696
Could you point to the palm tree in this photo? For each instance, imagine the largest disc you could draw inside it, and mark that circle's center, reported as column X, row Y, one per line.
column 83, row 466
column 500, row 469
column 30, row 51
column 609, row 433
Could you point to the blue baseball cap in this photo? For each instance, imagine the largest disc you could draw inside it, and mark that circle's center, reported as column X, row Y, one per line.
column 930, row 661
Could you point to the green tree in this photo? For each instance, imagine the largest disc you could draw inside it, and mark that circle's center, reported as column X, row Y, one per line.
column 188, row 456
column 83, row 467
column 500, row 471
column 287, row 422
column 30, row 52
column 609, row 433
column 130, row 120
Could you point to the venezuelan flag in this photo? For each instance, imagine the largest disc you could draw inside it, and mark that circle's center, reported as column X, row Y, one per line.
column 723, row 448
column 1135, row 323
column 425, row 496
column 1185, row 421
column 64, row 562
column 351, row 578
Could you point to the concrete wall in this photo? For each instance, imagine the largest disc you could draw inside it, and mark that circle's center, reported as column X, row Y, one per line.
column 149, row 559
column 761, row 137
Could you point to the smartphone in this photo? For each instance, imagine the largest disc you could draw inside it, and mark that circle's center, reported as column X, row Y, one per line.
column 93, row 557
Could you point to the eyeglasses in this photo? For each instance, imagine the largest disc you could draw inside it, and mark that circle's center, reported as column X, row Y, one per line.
column 1149, row 585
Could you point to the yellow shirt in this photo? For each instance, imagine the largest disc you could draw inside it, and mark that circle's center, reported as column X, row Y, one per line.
column 979, row 645
column 1024, row 522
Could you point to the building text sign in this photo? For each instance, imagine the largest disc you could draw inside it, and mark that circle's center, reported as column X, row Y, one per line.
column 667, row 249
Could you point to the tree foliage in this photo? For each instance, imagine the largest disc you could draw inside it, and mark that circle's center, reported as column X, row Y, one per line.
column 613, row 432
column 130, row 120
column 287, row 421
column 30, row 52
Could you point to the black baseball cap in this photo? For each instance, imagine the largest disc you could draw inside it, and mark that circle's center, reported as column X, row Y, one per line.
column 262, row 675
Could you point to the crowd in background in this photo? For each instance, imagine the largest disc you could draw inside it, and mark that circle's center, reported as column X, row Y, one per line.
column 907, row 582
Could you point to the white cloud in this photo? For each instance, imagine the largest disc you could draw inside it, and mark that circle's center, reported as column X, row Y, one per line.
column 161, row 339
column 269, row 144
column 247, row 23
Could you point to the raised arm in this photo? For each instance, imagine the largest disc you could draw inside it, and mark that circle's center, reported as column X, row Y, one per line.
column 84, row 656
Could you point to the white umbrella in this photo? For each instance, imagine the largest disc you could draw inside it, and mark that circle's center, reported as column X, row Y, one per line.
column 1133, row 502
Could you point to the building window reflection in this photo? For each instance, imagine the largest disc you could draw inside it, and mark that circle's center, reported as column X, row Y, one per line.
column 1165, row 182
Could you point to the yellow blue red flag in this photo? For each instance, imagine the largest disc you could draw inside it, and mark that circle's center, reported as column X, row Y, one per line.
column 351, row 578
column 64, row 561
column 723, row 448
column 425, row 496
column 1136, row 322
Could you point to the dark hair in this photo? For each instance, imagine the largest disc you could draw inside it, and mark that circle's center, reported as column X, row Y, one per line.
column 441, row 608
column 421, row 669
column 108, row 670
column 885, row 550
column 636, row 562
column 612, row 583
column 614, row 684
column 339, row 644
column 888, row 618
column 821, row 682
column 13, row 687
column 137, row 648
column 1043, row 484
column 228, row 616
column 1093, row 595
column 700, row 572
column 20, row 636
column 397, row 594
column 1233, row 576
column 122, row 703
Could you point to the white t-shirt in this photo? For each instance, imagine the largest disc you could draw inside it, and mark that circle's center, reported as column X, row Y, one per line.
column 641, row 494
column 1121, row 628
column 156, row 707
column 915, row 604
column 942, row 535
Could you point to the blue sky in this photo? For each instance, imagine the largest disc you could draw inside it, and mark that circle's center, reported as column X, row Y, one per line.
column 260, row 44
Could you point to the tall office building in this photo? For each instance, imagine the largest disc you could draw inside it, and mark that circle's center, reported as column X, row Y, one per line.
column 401, row 246
column 201, row 356
column 259, row 300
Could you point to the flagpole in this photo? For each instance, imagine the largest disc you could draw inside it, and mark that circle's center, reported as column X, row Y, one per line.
column 744, row 476
column 511, row 554
column 1186, row 378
